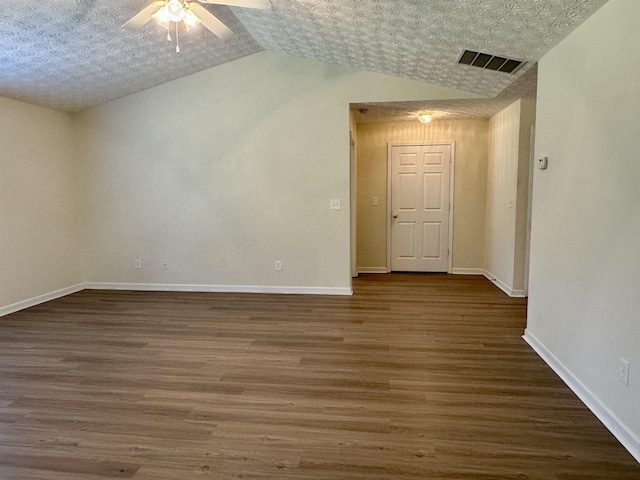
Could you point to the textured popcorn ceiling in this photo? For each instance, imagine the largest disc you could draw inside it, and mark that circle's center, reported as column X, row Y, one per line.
column 72, row 54
column 378, row 112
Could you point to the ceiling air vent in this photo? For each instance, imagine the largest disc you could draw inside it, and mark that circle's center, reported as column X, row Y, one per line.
column 490, row 62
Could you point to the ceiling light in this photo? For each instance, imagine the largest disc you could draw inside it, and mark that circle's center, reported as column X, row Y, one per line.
column 175, row 10
column 172, row 11
column 162, row 17
column 191, row 13
column 190, row 20
column 425, row 118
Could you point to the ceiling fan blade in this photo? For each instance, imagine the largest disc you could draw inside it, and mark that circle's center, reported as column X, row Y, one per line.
column 211, row 23
column 141, row 19
column 260, row 4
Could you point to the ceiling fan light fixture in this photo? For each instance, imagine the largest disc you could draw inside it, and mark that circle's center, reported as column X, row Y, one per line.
column 162, row 17
column 190, row 20
column 172, row 11
column 175, row 10
column 190, row 12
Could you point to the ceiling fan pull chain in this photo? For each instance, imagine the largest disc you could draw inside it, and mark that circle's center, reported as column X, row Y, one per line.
column 177, row 40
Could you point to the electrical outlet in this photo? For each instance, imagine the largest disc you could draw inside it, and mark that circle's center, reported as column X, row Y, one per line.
column 334, row 204
column 542, row 163
column 624, row 371
column 278, row 265
column 374, row 201
column 165, row 264
column 137, row 263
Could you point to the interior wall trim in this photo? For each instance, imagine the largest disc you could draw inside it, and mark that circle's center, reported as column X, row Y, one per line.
column 503, row 286
column 162, row 287
column 467, row 271
column 46, row 297
column 613, row 424
column 373, row 270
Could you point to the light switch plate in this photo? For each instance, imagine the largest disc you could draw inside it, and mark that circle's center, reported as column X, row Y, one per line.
column 624, row 371
column 334, row 204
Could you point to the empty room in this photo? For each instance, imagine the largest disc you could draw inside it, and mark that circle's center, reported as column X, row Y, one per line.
column 319, row 239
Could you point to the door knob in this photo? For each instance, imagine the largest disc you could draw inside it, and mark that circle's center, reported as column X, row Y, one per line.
column 395, row 215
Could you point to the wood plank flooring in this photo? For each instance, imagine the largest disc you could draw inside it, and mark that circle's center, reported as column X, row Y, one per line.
column 414, row 377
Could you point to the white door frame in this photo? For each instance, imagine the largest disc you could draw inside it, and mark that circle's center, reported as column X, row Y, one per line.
column 451, row 196
column 529, row 208
column 354, row 205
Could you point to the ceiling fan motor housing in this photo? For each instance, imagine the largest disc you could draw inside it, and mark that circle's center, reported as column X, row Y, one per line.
column 175, row 10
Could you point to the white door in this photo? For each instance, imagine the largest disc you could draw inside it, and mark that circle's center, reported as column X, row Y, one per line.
column 420, row 177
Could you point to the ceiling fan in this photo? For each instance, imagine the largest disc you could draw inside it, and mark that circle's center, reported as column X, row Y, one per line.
column 190, row 14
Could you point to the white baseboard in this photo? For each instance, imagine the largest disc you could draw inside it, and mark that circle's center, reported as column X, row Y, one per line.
column 162, row 287
column 32, row 302
column 373, row 270
column 467, row 271
column 503, row 286
column 622, row 433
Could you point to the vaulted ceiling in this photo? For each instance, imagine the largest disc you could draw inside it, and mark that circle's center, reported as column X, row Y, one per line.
column 70, row 55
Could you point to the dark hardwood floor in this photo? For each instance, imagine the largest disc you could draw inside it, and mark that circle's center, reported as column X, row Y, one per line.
column 414, row 377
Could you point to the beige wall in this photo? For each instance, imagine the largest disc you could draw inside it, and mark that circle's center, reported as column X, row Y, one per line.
column 470, row 138
column 220, row 173
column 584, row 287
column 39, row 237
column 223, row 172
column 507, row 195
